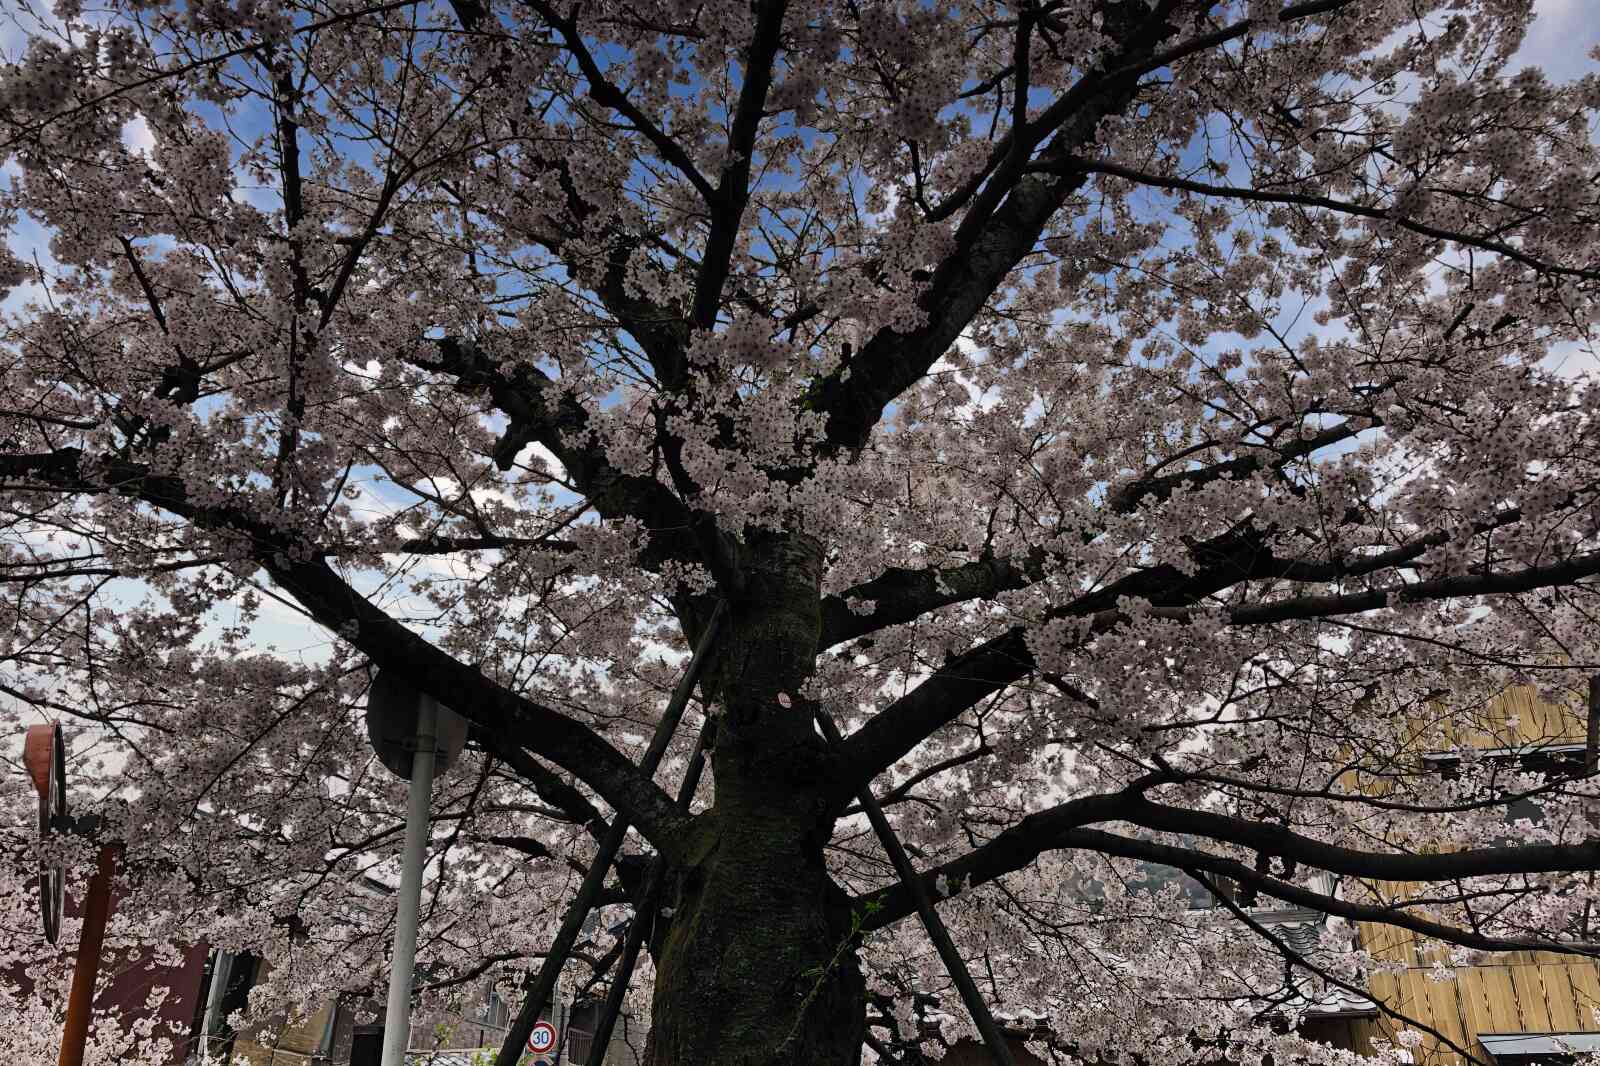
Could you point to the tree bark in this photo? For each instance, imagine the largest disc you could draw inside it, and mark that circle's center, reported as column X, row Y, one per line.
column 755, row 951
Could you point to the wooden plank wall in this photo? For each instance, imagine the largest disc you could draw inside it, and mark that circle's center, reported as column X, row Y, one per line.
column 1547, row 994
column 1526, row 992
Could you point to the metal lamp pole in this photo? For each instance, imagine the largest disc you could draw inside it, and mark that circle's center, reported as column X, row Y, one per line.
column 397, row 1018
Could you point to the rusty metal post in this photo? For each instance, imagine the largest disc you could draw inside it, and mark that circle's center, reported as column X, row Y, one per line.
column 86, row 970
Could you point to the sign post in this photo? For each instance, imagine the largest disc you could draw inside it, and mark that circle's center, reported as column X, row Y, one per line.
column 413, row 735
column 80, row 1002
column 44, row 753
column 397, row 1018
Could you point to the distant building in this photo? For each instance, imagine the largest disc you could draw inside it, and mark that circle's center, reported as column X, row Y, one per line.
column 1522, row 1008
column 468, row 1035
column 126, row 982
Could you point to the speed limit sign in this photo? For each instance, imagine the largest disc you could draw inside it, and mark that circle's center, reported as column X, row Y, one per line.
column 542, row 1039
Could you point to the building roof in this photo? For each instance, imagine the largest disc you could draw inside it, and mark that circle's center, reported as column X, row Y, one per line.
column 1502, row 1046
column 464, row 1057
column 1303, row 935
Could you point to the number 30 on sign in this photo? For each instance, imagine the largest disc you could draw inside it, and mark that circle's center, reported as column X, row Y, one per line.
column 542, row 1039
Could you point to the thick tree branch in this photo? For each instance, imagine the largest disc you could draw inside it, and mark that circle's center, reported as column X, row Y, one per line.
column 1305, row 608
column 900, row 595
column 1276, row 888
column 733, row 190
column 968, row 678
column 445, row 545
column 1006, row 218
column 961, row 683
column 540, row 411
column 1065, row 828
column 301, row 571
column 1000, row 228
column 546, row 732
column 607, row 94
column 547, row 784
column 661, row 331
column 1159, row 487
column 1274, row 839
column 1294, row 958
column 1011, row 850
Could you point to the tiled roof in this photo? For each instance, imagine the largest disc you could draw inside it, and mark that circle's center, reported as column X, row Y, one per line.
column 1304, row 937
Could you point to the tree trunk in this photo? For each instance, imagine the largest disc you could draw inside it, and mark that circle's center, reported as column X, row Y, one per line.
column 756, row 964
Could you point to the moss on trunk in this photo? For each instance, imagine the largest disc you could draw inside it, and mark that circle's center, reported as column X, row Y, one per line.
column 756, row 964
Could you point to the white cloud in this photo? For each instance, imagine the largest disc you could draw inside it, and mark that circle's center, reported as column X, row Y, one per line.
column 137, row 136
column 537, row 457
column 1563, row 33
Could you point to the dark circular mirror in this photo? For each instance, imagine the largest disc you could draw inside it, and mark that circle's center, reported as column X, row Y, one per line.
column 45, row 753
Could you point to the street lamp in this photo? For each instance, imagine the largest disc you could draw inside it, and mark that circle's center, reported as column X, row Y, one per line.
column 415, row 736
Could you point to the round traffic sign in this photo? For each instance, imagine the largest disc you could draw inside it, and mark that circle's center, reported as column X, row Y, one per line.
column 542, row 1039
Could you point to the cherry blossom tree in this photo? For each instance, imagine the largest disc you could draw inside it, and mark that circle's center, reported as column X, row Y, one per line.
column 1139, row 427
